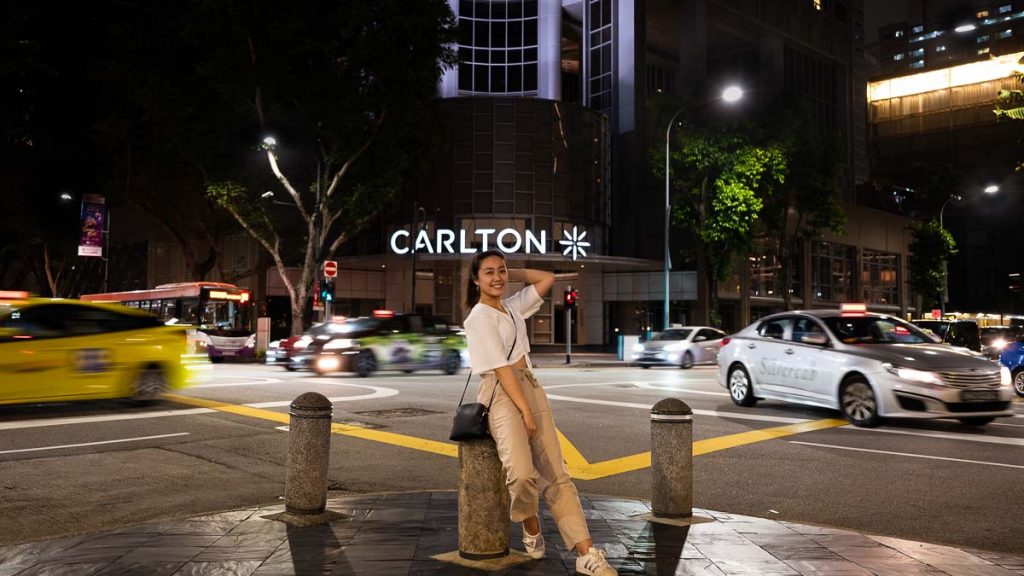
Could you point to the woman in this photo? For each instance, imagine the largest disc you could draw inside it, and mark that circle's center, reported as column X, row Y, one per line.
column 520, row 417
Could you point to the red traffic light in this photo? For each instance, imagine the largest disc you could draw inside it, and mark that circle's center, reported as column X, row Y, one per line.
column 570, row 297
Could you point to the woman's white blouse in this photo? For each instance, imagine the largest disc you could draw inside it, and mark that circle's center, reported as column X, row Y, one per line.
column 490, row 332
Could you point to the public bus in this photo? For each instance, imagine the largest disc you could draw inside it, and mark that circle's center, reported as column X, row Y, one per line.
column 219, row 316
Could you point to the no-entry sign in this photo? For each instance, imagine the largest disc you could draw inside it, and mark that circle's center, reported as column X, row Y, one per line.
column 330, row 269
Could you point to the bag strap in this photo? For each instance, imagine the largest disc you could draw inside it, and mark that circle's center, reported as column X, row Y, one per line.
column 515, row 338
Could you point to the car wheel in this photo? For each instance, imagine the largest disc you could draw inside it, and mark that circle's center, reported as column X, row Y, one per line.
column 645, row 366
column 407, row 371
column 452, row 362
column 740, row 390
column 290, row 368
column 366, row 364
column 976, row 420
column 858, row 403
column 687, row 361
column 1018, row 382
column 149, row 385
column 216, row 359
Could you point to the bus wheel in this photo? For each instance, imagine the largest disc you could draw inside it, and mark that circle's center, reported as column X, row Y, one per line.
column 216, row 359
column 149, row 385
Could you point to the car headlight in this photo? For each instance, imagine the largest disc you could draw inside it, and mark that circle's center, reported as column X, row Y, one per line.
column 302, row 343
column 274, row 344
column 638, row 347
column 913, row 375
column 1005, row 378
column 338, row 344
column 998, row 344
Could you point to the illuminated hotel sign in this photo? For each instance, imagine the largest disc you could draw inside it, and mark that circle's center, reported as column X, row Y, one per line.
column 508, row 240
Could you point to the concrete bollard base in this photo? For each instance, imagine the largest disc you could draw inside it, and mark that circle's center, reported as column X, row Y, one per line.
column 513, row 558
column 483, row 502
column 325, row 517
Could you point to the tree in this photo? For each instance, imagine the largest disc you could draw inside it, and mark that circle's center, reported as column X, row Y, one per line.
column 930, row 247
column 1011, row 102
column 719, row 177
column 338, row 84
column 807, row 203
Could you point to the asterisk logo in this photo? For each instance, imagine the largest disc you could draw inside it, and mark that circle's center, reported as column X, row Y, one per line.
column 574, row 243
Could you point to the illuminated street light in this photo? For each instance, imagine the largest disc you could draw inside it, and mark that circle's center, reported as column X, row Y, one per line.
column 269, row 142
column 964, row 28
column 991, row 189
column 730, row 95
column 65, row 196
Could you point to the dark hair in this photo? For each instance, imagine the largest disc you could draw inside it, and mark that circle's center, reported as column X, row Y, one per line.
column 472, row 290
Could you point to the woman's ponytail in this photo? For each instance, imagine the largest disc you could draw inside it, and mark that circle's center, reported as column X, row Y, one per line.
column 472, row 293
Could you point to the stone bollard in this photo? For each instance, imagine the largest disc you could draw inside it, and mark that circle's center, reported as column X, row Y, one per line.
column 671, row 459
column 309, row 444
column 484, row 502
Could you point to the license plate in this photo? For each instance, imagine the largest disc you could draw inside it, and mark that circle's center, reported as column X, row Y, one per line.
column 979, row 395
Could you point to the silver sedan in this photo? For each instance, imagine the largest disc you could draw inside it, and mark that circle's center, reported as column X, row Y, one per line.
column 683, row 347
column 868, row 366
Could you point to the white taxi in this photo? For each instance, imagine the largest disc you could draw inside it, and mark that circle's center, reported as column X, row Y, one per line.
column 866, row 365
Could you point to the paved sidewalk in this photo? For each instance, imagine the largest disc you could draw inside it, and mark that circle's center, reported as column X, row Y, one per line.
column 398, row 534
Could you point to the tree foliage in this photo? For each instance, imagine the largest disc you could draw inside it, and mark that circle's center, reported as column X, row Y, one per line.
column 720, row 177
column 807, row 203
column 930, row 247
column 339, row 85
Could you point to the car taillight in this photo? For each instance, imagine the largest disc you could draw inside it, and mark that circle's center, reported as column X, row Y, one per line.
column 726, row 340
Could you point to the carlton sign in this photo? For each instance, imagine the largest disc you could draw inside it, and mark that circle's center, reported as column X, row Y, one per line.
column 508, row 240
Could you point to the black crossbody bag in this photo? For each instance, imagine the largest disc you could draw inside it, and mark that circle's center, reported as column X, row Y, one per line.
column 470, row 421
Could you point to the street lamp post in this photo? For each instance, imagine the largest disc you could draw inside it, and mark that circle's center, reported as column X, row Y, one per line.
column 990, row 189
column 729, row 95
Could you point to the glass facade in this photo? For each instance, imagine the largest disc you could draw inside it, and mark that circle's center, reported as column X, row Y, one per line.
column 763, row 270
column 600, row 63
column 497, row 47
column 880, row 277
column 832, row 265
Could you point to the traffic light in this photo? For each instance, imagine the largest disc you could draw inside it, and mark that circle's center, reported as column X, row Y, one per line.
column 570, row 296
column 327, row 289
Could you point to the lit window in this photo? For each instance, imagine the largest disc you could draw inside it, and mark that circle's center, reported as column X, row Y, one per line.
column 982, row 14
column 1005, row 34
column 898, row 57
column 1005, row 8
column 940, row 48
column 917, row 29
column 918, row 64
column 817, row 4
column 917, row 53
column 983, row 50
column 982, row 39
column 898, row 34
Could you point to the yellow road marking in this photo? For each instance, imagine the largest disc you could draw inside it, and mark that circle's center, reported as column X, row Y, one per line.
column 578, row 465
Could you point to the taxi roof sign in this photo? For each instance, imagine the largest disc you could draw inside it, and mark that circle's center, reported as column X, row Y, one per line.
column 853, row 308
column 13, row 294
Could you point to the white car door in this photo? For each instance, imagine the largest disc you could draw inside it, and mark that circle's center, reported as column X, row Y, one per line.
column 811, row 362
column 767, row 357
column 706, row 343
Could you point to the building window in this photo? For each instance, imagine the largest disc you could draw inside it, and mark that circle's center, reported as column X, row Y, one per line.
column 1005, row 34
column 898, row 57
column 659, row 80
column 832, row 268
column 897, row 34
column 916, row 65
column 940, row 48
column 497, row 47
column 600, row 24
column 879, row 277
column 817, row 4
column 763, row 270
column 981, row 39
column 917, row 29
column 982, row 14
column 917, row 53
column 984, row 50
column 1005, row 8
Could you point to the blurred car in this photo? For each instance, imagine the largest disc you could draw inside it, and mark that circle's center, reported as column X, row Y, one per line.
column 995, row 338
column 386, row 341
column 280, row 351
column 960, row 333
column 868, row 366
column 683, row 347
column 61, row 350
column 1012, row 358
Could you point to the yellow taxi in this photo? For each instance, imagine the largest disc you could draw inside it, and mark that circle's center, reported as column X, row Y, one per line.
column 56, row 350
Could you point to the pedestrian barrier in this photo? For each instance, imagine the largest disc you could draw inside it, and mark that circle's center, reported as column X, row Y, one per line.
column 484, row 502
column 671, row 459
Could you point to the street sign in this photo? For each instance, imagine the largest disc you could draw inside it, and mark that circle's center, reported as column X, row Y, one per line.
column 330, row 269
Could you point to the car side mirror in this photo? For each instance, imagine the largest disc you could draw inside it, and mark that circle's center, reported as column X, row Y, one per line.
column 815, row 339
column 699, row 338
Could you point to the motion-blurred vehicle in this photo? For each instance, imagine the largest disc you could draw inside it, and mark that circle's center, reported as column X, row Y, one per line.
column 281, row 351
column 995, row 338
column 1012, row 359
column 960, row 333
column 386, row 341
column 54, row 350
column 866, row 365
column 682, row 346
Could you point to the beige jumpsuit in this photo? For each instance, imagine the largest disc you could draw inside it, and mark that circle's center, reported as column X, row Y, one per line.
column 533, row 466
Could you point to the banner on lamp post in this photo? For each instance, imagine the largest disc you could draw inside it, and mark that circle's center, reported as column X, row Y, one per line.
column 94, row 216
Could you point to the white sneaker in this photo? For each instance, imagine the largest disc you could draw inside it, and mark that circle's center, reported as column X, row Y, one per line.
column 594, row 564
column 534, row 543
